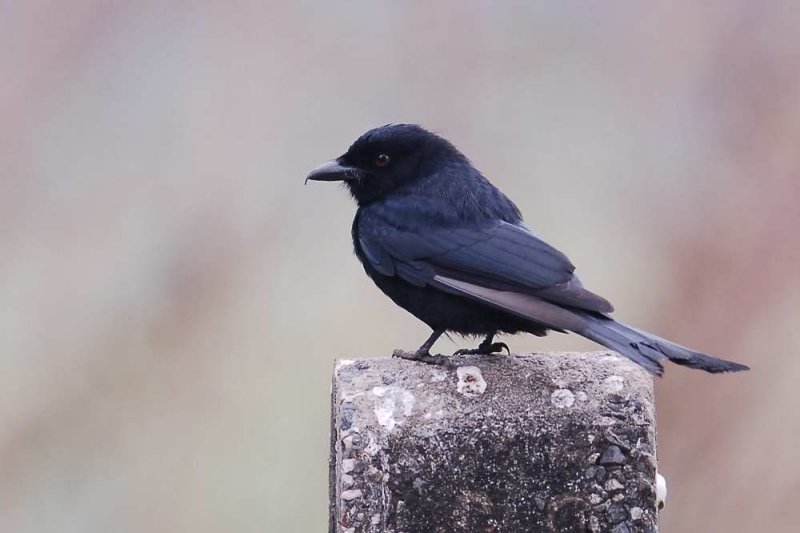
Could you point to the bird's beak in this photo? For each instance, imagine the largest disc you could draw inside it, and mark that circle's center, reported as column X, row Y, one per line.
column 333, row 171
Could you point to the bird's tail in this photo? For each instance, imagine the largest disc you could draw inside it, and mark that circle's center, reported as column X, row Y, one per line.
column 647, row 349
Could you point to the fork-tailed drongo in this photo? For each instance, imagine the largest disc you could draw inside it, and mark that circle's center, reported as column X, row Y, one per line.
column 450, row 248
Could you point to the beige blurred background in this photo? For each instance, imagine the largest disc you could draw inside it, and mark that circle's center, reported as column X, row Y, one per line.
column 172, row 297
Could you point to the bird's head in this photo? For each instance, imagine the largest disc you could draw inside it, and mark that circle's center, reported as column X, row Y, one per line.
column 386, row 159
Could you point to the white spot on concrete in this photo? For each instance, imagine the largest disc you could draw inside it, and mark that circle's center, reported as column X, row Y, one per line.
column 613, row 484
column 562, row 398
column 347, row 480
column 351, row 494
column 636, row 513
column 581, row 396
column 470, row 381
column 661, row 491
column 408, row 402
column 385, row 413
column 392, row 405
column 343, row 362
column 613, row 384
column 375, row 520
column 372, row 448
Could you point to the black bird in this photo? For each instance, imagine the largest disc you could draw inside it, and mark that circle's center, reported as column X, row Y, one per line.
column 450, row 248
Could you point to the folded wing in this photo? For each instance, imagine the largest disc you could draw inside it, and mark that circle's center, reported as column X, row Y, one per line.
column 500, row 264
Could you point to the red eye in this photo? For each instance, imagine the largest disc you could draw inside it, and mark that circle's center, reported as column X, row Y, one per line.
column 382, row 160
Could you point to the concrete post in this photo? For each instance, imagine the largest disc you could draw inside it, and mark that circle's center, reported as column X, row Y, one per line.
column 541, row 442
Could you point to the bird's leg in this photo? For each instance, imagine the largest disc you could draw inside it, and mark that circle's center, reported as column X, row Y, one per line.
column 487, row 347
column 423, row 354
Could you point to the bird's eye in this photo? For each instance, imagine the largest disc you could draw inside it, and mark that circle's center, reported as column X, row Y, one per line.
column 382, row 160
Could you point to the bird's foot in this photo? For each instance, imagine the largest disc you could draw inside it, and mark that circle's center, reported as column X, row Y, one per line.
column 484, row 349
column 423, row 357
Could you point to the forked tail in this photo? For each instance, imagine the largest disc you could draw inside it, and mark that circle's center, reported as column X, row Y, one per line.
column 647, row 349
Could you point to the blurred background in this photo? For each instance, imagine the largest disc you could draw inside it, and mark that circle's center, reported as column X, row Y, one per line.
column 172, row 297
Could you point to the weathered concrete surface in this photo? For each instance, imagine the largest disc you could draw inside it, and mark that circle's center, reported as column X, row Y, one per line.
column 541, row 442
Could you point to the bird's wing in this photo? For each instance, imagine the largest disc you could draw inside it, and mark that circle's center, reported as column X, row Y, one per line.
column 501, row 264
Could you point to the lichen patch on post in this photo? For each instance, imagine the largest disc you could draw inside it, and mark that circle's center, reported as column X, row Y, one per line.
column 393, row 405
column 343, row 362
column 372, row 447
column 408, row 402
column 470, row 381
column 562, row 398
column 384, row 412
column 613, row 384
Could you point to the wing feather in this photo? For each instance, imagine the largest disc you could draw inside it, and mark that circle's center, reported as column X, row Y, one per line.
column 520, row 304
column 499, row 256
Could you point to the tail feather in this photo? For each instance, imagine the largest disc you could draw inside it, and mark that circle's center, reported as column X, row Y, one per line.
column 649, row 350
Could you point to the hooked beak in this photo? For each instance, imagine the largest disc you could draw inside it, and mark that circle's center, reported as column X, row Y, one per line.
column 333, row 171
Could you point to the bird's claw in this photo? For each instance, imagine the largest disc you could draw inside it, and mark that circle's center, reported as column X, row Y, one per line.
column 424, row 357
column 484, row 349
